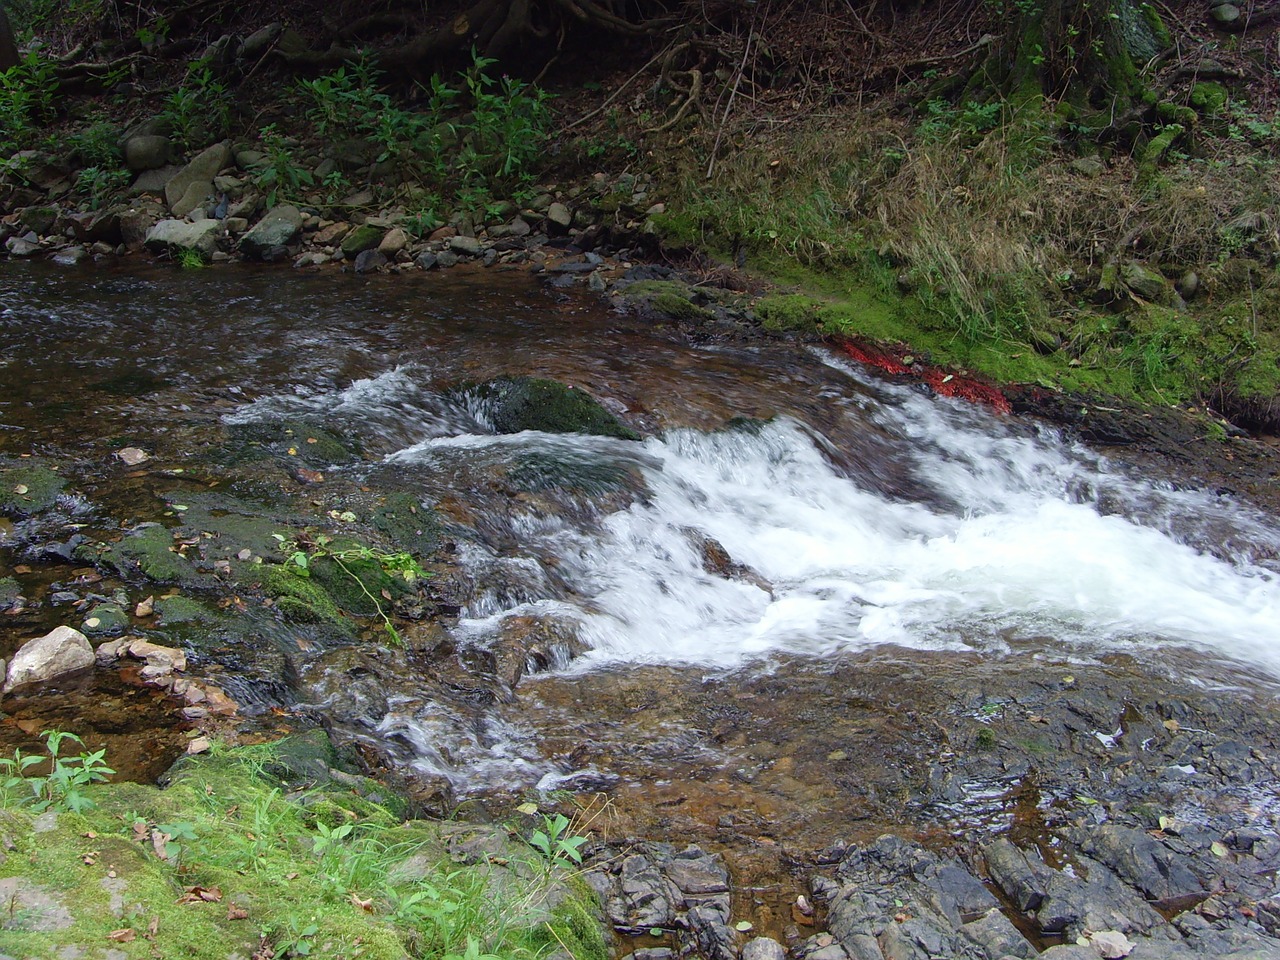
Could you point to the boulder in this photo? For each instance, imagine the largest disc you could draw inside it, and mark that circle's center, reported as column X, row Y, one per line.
column 149, row 151
column 272, row 234
column 368, row 261
column 468, row 246
column 134, row 226
column 153, row 181
column 202, row 168
column 61, row 651
column 174, row 236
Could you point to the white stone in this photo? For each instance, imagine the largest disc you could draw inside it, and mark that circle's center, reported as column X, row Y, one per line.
column 62, row 650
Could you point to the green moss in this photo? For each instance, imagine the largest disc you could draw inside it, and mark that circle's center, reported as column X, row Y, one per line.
column 408, row 524
column 1154, row 152
column 310, row 444
column 1208, row 98
column 179, row 609
column 354, row 583
column 679, row 308
column 793, row 312
column 147, row 551
column 362, row 238
column 677, row 228
column 985, row 740
column 1176, row 113
column 106, row 619
column 10, row 591
column 28, row 489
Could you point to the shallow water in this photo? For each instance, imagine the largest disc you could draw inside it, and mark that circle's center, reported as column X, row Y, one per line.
column 789, row 514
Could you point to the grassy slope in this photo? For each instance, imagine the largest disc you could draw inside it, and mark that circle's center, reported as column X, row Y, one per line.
column 385, row 888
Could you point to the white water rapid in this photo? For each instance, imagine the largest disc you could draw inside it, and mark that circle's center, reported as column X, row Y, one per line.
column 1017, row 542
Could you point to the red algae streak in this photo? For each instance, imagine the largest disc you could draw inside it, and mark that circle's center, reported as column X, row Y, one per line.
column 939, row 380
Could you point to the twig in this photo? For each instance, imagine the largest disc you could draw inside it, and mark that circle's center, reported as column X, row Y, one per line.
column 728, row 107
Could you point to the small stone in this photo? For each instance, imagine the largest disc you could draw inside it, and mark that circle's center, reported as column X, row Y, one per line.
column 333, row 233
column 447, row 258
column 468, row 246
column 1111, row 944
column 426, row 260
column 443, row 233
column 559, row 215
column 132, row 456
column 199, row 745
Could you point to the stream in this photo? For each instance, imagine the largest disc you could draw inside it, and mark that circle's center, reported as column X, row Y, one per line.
column 776, row 622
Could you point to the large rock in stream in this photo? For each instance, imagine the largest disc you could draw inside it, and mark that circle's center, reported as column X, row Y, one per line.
column 61, row 651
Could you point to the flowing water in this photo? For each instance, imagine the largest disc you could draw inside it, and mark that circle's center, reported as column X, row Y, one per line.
column 795, row 537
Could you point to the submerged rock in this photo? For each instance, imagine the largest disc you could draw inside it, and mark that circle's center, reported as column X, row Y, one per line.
column 61, row 651
column 512, row 405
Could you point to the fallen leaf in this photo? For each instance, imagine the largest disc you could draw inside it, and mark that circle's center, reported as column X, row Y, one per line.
column 22, row 568
column 159, row 840
column 1171, row 725
column 365, row 905
column 200, row 895
column 92, row 622
column 21, row 489
column 139, row 830
column 293, row 451
column 291, row 876
column 132, row 456
column 153, row 926
column 528, row 809
column 1218, row 848
column 312, row 440
column 743, row 926
column 236, row 913
column 89, row 835
column 124, row 935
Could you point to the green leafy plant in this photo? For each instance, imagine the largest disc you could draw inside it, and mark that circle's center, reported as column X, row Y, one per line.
column 98, row 145
column 199, row 111
column 28, row 96
column 63, row 786
column 556, row 842
column 280, row 176
column 101, row 184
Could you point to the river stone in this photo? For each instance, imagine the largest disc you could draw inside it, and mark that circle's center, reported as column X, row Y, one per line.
column 202, row 168
column 393, row 242
column 22, row 246
column 763, row 948
column 106, row 619
column 362, row 238
column 153, row 181
column 559, row 215
column 327, row 236
column 258, row 42
column 170, row 236
column 368, row 261
column 195, row 195
column 61, row 651
column 531, row 403
column 468, row 246
column 148, row 151
column 272, row 234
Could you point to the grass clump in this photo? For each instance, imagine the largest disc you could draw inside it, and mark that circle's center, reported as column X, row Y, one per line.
column 242, row 853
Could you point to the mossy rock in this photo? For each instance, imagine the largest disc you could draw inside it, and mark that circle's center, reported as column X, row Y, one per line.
column 793, row 312
column 1209, row 99
column 357, row 585
column 106, row 620
column 147, row 551
column 311, row 444
column 300, row 599
column 179, row 609
column 28, row 489
column 536, row 472
column 408, row 524
column 362, row 238
column 530, row 403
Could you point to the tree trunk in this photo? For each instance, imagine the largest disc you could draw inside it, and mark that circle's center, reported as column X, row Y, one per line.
column 1088, row 53
column 8, row 49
